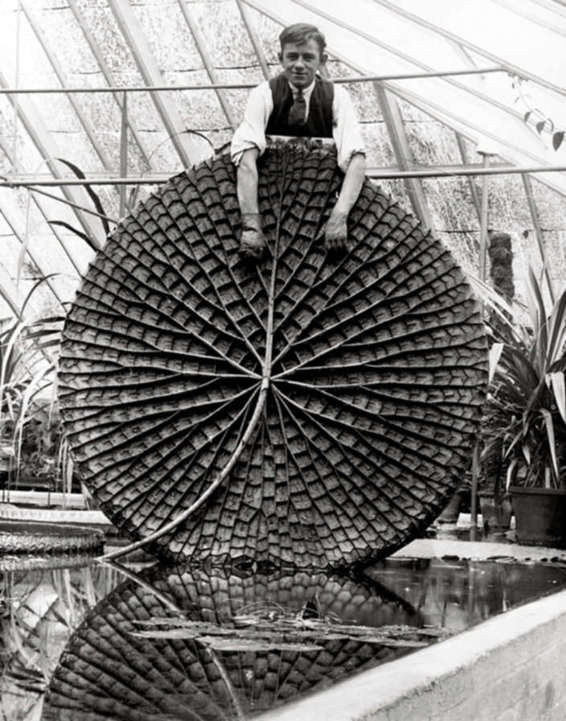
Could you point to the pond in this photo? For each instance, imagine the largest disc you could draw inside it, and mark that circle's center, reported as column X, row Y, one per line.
column 172, row 643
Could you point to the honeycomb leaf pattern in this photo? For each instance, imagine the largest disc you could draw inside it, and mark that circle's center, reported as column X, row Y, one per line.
column 108, row 671
column 309, row 410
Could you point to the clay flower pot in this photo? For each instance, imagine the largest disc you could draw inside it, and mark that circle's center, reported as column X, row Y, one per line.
column 540, row 515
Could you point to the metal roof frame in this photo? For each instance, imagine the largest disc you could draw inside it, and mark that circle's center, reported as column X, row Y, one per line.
column 58, row 70
column 446, row 34
column 43, row 212
column 207, row 62
column 48, row 150
column 445, row 116
column 132, row 31
column 107, row 73
column 396, row 129
column 189, row 151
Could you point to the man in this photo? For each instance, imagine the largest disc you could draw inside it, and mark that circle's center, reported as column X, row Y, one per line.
column 298, row 102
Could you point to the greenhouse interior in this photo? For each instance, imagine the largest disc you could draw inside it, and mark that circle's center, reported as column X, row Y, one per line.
column 282, row 360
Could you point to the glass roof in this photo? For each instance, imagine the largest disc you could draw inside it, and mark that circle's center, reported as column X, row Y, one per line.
column 430, row 123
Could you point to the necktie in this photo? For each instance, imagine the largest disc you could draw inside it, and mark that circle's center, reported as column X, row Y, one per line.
column 298, row 111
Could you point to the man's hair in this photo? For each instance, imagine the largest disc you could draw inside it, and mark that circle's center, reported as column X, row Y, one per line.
column 300, row 33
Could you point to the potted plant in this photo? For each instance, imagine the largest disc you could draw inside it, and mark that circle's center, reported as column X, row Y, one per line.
column 528, row 410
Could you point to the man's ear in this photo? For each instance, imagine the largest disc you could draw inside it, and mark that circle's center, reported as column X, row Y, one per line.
column 280, row 56
column 323, row 58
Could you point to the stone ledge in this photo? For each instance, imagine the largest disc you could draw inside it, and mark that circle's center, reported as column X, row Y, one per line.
column 499, row 670
column 478, row 550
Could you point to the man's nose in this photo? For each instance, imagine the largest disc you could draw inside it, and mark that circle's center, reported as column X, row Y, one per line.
column 300, row 62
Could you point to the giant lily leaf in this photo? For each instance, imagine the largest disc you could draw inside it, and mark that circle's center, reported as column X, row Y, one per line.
column 308, row 410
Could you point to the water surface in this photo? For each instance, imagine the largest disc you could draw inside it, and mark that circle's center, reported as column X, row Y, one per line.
column 173, row 643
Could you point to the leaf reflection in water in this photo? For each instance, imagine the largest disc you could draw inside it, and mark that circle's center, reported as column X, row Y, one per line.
column 179, row 643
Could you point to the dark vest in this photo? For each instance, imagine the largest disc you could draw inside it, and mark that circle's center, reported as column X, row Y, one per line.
column 319, row 121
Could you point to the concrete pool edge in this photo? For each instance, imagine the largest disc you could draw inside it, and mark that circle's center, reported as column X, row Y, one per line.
column 478, row 551
column 508, row 668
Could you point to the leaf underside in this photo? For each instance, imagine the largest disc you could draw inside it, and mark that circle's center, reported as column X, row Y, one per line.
column 107, row 671
column 376, row 364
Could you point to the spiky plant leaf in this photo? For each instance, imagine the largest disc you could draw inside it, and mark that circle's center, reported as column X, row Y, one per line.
column 92, row 193
column 528, row 383
column 557, row 384
column 81, row 234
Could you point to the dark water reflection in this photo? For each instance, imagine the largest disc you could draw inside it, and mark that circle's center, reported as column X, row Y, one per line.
column 456, row 594
column 109, row 669
column 106, row 670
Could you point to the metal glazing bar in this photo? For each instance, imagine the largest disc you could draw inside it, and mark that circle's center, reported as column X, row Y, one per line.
column 132, row 31
column 552, row 6
column 57, row 69
column 206, row 60
column 41, row 138
column 246, row 85
column 464, row 54
column 484, row 220
column 484, row 231
column 538, row 231
column 377, row 173
column 509, row 67
column 444, row 114
column 254, row 39
column 105, row 70
column 399, row 141
column 29, row 253
column 123, row 153
column 531, row 16
column 77, row 206
column 39, row 206
column 161, row 176
column 473, row 190
column 17, row 82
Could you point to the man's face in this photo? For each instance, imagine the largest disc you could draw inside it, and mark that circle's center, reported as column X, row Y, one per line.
column 300, row 62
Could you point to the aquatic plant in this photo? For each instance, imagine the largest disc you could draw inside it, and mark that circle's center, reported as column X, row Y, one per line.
column 309, row 409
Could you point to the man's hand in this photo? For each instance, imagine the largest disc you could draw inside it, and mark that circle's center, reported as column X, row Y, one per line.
column 252, row 241
column 336, row 232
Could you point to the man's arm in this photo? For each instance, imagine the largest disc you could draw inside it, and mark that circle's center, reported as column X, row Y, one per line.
column 247, row 179
column 351, row 159
column 252, row 242
column 248, row 144
column 336, row 230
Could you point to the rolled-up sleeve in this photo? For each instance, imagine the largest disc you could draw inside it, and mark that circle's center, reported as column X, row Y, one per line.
column 251, row 132
column 346, row 128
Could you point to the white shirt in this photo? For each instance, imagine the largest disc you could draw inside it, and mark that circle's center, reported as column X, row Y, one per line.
column 345, row 127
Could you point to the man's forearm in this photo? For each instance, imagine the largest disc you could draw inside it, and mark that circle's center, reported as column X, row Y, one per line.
column 252, row 241
column 336, row 230
column 352, row 184
column 247, row 181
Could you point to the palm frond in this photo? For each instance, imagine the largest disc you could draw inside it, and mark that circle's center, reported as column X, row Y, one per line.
column 528, row 390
